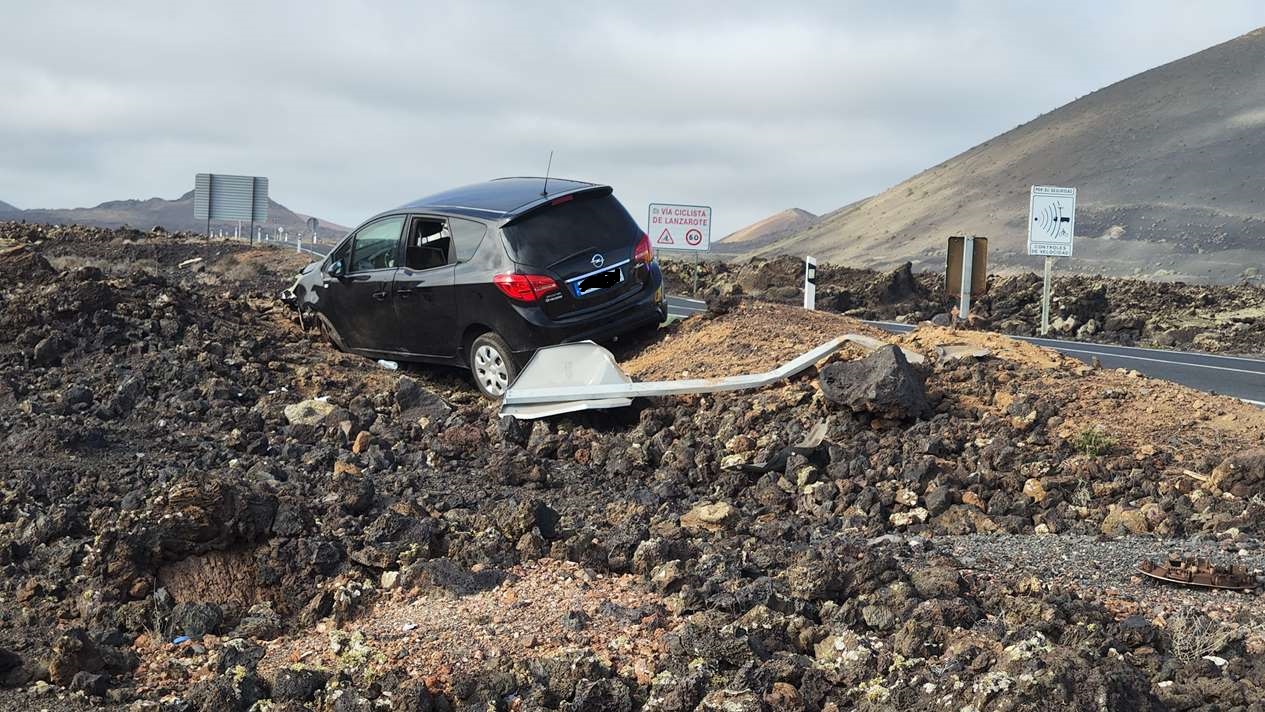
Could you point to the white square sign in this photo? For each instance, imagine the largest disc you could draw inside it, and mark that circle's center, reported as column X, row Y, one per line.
column 1051, row 221
column 679, row 227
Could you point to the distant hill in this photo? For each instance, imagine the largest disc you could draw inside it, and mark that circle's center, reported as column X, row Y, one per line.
column 770, row 229
column 171, row 214
column 1167, row 164
column 7, row 208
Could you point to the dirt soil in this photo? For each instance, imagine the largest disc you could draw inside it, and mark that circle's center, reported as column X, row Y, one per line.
column 540, row 610
column 747, row 338
column 206, row 507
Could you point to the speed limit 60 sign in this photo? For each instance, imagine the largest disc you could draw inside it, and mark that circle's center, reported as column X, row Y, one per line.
column 680, row 227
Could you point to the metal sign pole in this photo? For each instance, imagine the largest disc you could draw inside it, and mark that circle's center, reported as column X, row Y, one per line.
column 696, row 271
column 1045, row 297
column 252, row 211
column 209, row 193
column 968, row 264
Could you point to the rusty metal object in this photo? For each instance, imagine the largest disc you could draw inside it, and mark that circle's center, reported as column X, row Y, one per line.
column 1199, row 571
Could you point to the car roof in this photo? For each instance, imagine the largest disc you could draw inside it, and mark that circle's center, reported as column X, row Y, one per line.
column 499, row 198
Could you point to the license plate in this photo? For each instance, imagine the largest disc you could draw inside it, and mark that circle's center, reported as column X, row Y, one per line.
column 598, row 282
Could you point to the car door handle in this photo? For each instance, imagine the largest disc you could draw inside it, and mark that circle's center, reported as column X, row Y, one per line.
column 403, row 293
column 379, row 295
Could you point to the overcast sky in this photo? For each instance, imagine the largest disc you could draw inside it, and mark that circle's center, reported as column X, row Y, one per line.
column 354, row 108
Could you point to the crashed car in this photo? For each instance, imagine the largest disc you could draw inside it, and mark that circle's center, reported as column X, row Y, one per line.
column 485, row 274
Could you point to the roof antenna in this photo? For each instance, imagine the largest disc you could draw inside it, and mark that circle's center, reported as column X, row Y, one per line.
column 545, row 190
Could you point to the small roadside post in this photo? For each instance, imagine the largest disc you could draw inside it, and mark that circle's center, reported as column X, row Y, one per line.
column 810, row 283
column 966, row 271
column 681, row 227
column 1051, row 227
column 312, row 224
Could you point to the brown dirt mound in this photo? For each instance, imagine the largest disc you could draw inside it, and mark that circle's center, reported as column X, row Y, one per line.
column 751, row 338
column 925, row 338
column 1123, row 405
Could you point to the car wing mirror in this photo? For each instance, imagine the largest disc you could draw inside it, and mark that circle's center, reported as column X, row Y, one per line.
column 336, row 269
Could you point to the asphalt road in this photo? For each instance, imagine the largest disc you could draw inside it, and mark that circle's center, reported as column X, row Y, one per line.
column 316, row 249
column 1227, row 375
column 1236, row 376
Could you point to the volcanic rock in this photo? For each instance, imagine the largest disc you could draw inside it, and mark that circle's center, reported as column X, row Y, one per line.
column 9, row 660
column 1241, row 474
column 23, row 264
column 608, row 694
column 712, row 517
column 356, row 493
column 196, row 619
column 1120, row 520
column 91, row 684
column 50, row 349
column 309, row 412
column 883, row 383
column 73, row 652
column 12, row 673
column 416, row 402
column 242, row 653
column 298, row 684
column 194, row 518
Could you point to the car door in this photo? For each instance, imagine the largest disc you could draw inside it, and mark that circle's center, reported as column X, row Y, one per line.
column 360, row 305
column 425, row 306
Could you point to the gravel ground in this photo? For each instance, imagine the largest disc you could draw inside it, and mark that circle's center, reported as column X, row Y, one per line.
column 1107, row 568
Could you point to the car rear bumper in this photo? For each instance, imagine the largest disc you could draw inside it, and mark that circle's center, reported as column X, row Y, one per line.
column 648, row 307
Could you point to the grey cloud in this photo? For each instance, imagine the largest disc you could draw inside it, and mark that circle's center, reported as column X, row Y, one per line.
column 353, row 107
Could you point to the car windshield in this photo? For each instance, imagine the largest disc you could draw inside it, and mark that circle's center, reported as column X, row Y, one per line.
column 560, row 231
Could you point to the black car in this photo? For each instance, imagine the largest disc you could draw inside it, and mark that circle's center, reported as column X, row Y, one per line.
column 484, row 275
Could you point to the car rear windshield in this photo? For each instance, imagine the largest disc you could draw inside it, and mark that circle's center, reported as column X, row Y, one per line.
column 560, row 231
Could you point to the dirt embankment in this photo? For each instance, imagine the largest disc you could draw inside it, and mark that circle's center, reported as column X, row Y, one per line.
column 185, row 525
column 1219, row 319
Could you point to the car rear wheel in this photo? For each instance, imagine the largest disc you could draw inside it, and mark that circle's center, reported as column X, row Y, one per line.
column 492, row 364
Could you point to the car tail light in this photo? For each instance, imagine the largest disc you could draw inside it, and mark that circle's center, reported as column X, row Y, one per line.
column 525, row 287
column 643, row 252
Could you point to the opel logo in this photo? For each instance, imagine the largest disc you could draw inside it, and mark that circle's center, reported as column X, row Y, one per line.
column 598, row 260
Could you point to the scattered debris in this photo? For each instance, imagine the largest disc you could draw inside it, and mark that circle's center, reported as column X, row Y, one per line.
column 1199, row 572
column 956, row 352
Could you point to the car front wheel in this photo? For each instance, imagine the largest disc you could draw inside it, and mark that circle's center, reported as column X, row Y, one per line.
column 492, row 364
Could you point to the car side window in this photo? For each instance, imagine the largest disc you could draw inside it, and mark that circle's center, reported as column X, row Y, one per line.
column 374, row 246
column 339, row 256
column 429, row 244
column 467, row 235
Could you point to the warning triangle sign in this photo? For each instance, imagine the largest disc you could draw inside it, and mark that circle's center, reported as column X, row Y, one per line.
column 666, row 238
